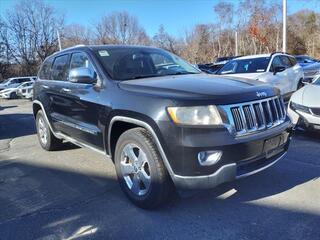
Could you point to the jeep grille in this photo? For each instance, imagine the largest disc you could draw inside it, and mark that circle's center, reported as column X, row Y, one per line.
column 251, row 117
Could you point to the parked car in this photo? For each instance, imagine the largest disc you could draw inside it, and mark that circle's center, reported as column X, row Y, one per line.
column 305, row 60
column 163, row 122
column 25, row 90
column 278, row 69
column 15, row 82
column 13, row 92
column 304, row 106
column 212, row 68
column 310, row 72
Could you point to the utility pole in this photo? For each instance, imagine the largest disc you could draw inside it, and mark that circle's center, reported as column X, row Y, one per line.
column 236, row 43
column 59, row 40
column 284, row 25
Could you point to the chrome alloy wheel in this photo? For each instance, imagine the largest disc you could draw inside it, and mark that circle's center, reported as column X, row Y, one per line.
column 135, row 169
column 43, row 131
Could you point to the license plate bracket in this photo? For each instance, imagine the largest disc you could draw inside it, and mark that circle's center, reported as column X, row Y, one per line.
column 271, row 146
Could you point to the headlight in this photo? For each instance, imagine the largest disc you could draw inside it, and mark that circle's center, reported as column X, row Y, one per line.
column 201, row 115
column 298, row 107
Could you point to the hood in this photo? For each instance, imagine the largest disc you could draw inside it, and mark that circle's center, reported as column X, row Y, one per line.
column 310, row 95
column 224, row 89
column 311, row 67
column 8, row 90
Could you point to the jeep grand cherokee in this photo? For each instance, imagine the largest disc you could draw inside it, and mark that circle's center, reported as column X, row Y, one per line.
column 162, row 121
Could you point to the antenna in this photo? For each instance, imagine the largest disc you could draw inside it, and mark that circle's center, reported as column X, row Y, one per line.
column 59, row 41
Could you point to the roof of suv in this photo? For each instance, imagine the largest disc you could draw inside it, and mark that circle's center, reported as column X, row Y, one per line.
column 102, row 47
column 262, row 55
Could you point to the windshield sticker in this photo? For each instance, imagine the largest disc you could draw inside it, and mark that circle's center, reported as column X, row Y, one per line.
column 104, row 53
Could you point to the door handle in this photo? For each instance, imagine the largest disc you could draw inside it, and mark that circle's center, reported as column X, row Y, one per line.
column 66, row 90
column 45, row 86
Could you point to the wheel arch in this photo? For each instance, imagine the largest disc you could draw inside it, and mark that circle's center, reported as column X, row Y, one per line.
column 120, row 124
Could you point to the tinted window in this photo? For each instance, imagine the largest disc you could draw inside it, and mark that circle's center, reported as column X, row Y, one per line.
column 246, row 66
column 22, row 80
column 285, row 61
column 131, row 63
column 45, row 69
column 293, row 61
column 60, row 68
column 276, row 62
column 80, row 60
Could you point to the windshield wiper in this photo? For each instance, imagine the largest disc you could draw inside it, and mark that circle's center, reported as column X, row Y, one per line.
column 181, row 73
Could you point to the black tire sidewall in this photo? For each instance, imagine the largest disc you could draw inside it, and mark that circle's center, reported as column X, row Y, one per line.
column 47, row 145
column 152, row 194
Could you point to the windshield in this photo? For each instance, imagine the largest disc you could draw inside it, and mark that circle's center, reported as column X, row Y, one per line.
column 5, row 81
column 317, row 81
column 125, row 63
column 252, row 65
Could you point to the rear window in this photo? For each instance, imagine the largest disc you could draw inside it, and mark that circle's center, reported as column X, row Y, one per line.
column 253, row 65
column 46, row 69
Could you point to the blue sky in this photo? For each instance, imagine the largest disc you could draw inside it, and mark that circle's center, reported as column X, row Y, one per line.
column 175, row 15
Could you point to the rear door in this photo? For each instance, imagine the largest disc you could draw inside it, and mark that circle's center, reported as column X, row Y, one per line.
column 290, row 73
column 56, row 92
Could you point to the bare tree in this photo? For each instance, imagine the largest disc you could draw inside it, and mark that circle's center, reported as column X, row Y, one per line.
column 76, row 34
column 31, row 33
column 162, row 39
column 120, row 28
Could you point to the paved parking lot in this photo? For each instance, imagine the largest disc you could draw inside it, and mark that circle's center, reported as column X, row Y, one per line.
column 73, row 194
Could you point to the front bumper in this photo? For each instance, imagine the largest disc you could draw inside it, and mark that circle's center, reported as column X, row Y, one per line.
column 241, row 156
column 5, row 95
column 226, row 173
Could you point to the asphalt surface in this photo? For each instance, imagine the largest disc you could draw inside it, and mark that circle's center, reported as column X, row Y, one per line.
column 73, row 194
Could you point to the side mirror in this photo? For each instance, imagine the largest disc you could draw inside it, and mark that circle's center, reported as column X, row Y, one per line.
column 278, row 69
column 82, row 75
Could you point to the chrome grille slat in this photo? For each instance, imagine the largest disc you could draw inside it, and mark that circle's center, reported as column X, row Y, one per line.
column 250, row 117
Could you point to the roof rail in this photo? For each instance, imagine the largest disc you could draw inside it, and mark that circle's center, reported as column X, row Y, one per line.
column 79, row 45
column 279, row 52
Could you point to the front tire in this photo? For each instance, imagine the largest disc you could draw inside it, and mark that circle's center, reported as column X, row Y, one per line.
column 46, row 138
column 141, row 173
column 13, row 95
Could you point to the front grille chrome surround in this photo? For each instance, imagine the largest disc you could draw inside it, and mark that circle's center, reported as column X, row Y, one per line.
column 255, row 116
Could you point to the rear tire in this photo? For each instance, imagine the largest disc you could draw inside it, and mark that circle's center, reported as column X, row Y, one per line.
column 46, row 138
column 141, row 173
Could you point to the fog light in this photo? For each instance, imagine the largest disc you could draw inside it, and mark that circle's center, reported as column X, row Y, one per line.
column 209, row 157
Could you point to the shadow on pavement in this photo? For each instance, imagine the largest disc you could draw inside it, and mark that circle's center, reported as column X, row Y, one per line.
column 5, row 107
column 16, row 125
column 41, row 202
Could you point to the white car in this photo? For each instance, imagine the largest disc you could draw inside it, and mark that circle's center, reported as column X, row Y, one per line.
column 278, row 69
column 15, row 82
column 304, row 106
column 25, row 90
column 12, row 92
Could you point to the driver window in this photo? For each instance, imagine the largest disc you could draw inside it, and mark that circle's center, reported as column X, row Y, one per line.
column 276, row 63
column 80, row 60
